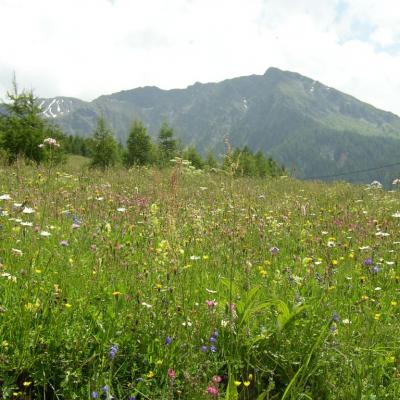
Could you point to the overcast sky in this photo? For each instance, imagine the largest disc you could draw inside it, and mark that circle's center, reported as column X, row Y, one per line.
column 85, row 48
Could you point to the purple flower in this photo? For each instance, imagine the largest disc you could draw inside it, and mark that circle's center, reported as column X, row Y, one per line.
column 203, row 348
column 375, row 270
column 335, row 317
column 213, row 339
column 95, row 395
column 213, row 349
column 368, row 262
column 168, row 340
column 274, row 250
column 105, row 389
column 113, row 351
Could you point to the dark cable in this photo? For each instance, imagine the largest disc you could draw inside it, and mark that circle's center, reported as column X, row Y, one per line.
column 353, row 172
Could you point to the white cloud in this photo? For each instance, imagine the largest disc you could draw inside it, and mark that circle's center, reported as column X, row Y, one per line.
column 85, row 48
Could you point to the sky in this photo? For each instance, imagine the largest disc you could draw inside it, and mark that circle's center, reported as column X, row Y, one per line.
column 86, row 48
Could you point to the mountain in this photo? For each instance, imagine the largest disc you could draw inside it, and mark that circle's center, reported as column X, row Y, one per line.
column 307, row 126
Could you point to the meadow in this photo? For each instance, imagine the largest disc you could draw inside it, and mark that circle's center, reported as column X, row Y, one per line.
column 177, row 284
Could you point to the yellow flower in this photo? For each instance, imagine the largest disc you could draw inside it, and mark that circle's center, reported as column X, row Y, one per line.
column 263, row 273
column 238, row 383
column 377, row 317
column 246, row 383
column 116, row 293
column 158, row 286
column 393, row 303
column 67, row 305
column 334, row 262
column 26, row 384
column 250, row 377
column 150, row 374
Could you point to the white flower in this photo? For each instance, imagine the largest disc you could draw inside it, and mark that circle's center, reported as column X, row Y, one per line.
column 50, row 142
column 121, row 209
column 146, row 305
column 194, row 258
column 9, row 276
column 331, row 243
column 45, row 234
column 396, row 214
column 16, row 252
column 382, row 234
column 364, row 248
column 375, row 185
column 26, row 223
column 210, row 291
column 346, row 321
column 28, row 210
column 5, row 197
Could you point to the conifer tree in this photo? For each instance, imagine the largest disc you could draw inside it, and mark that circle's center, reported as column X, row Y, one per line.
column 105, row 147
column 22, row 128
column 139, row 145
column 167, row 144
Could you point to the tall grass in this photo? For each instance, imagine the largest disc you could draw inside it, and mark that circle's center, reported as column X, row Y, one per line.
column 181, row 285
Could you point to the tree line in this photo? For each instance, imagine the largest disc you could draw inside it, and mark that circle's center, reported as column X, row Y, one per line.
column 24, row 132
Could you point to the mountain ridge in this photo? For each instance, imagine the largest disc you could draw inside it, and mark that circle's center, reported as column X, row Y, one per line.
column 272, row 112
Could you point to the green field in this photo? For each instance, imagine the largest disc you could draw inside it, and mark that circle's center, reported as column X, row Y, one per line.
column 174, row 284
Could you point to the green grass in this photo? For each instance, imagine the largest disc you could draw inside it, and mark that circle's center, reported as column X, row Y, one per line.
column 165, row 285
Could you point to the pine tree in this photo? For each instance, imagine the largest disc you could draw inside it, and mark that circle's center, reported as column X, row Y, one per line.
column 211, row 161
column 105, row 148
column 23, row 129
column 194, row 157
column 139, row 145
column 167, row 144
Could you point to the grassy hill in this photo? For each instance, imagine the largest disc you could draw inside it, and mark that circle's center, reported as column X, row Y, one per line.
column 180, row 285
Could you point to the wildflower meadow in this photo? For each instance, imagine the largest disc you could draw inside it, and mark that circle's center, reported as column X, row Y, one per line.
column 179, row 284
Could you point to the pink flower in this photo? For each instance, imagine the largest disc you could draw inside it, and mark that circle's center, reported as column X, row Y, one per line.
column 171, row 373
column 211, row 303
column 217, row 379
column 213, row 391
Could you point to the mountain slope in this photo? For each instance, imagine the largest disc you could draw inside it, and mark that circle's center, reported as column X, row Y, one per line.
column 281, row 113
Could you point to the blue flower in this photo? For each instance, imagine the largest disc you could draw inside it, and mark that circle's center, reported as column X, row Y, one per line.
column 113, row 351
column 213, row 349
column 368, row 262
column 203, row 348
column 95, row 395
column 105, row 389
column 168, row 340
